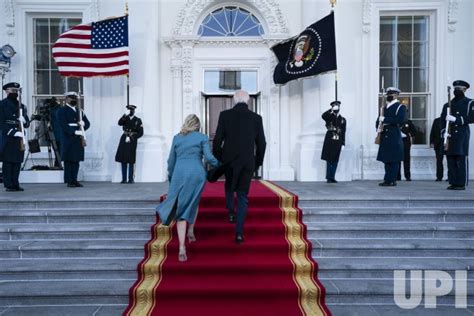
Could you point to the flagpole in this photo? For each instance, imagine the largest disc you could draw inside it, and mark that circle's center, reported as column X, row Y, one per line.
column 128, row 74
column 333, row 4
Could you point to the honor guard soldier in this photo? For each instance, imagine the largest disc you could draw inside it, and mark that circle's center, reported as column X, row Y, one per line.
column 127, row 149
column 334, row 141
column 390, row 152
column 458, row 133
column 73, row 124
column 408, row 134
column 13, row 122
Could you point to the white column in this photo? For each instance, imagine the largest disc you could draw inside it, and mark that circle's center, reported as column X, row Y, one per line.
column 316, row 97
column 177, row 73
column 286, row 171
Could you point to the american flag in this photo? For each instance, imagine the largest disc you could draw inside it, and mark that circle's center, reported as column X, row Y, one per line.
column 96, row 49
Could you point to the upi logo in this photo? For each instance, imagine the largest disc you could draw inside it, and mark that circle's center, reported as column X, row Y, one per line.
column 436, row 284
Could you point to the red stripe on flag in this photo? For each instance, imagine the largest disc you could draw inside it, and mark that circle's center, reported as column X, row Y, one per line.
column 92, row 56
column 72, row 45
column 75, row 36
column 94, row 74
column 81, row 27
column 93, row 65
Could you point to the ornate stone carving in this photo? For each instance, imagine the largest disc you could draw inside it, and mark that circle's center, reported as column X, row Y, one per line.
column 193, row 9
column 366, row 15
column 95, row 10
column 453, row 15
column 187, row 73
column 9, row 15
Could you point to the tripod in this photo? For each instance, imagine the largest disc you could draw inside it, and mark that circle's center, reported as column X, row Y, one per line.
column 51, row 144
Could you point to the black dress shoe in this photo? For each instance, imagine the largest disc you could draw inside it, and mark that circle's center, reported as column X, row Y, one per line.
column 451, row 187
column 437, row 180
column 10, row 189
column 71, row 185
column 239, row 238
column 231, row 218
column 131, row 181
column 78, row 185
column 123, row 181
column 408, row 179
column 459, row 188
column 20, row 189
column 388, row 184
column 331, row 181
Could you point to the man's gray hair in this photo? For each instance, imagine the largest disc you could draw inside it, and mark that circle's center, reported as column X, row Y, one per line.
column 241, row 96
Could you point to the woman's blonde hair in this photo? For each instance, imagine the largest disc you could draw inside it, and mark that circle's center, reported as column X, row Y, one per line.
column 191, row 124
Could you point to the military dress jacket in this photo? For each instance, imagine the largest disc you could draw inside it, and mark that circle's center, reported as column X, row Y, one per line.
column 71, row 144
column 9, row 144
column 335, row 136
column 458, row 142
column 391, row 144
column 132, row 128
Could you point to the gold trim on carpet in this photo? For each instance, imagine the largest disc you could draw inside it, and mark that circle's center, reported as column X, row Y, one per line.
column 144, row 293
column 303, row 268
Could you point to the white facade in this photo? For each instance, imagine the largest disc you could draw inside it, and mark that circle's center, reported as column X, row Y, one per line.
column 168, row 60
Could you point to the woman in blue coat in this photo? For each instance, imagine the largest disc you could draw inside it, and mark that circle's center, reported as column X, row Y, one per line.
column 187, row 177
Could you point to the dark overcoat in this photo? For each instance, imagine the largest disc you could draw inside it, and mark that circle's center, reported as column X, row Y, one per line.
column 239, row 144
column 436, row 138
column 71, row 145
column 9, row 125
column 391, row 143
column 133, row 128
column 458, row 142
column 336, row 126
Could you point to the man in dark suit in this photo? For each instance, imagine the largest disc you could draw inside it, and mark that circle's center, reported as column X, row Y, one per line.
column 72, row 138
column 240, row 144
column 436, row 142
column 391, row 144
column 12, row 149
column 458, row 136
column 408, row 130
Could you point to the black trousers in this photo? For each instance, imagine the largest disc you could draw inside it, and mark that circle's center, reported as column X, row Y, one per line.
column 71, row 169
column 331, row 170
column 391, row 171
column 11, row 173
column 406, row 160
column 458, row 170
column 242, row 207
column 439, row 165
column 130, row 171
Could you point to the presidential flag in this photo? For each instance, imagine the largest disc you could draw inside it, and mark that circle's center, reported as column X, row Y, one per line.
column 95, row 49
column 310, row 53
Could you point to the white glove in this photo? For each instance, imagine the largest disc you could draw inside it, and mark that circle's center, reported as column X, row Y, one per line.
column 342, row 147
column 81, row 123
column 18, row 134
column 22, row 120
column 450, row 118
column 79, row 133
column 381, row 118
column 127, row 139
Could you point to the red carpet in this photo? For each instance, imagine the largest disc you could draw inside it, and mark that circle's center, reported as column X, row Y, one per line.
column 271, row 273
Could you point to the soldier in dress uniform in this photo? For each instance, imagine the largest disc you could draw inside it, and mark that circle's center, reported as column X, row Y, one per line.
column 391, row 144
column 458, row 136
column 408, row 134
column 72, row 137
column 334, row 141
column 127, row 149
column 12, row 150
column 436, row 142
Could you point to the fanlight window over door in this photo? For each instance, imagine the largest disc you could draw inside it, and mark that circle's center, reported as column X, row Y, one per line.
column 230, row 21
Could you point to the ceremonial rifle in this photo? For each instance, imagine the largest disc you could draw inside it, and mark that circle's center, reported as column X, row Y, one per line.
column 22, row 129
column 447, row 128
column 381, row 113
column 83, row 136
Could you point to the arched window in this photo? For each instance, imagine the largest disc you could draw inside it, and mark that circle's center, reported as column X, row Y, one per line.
column 230, row 21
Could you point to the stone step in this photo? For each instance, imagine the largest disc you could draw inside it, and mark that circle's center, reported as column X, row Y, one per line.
column 388, row 201
column 52, row 204
column 374, row 247
column 388, row 215
column 389, row 230
column 71, row 310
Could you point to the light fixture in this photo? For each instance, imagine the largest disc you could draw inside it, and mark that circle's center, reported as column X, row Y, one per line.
column 6, row 53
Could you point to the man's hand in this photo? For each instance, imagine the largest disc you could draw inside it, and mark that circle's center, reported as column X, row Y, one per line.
column 22, row 120
column 342, row 147
column 79, row 133
column 127, row 139
column 18, row 134
column 81, row 123
column 450, row 118
column 381, row 118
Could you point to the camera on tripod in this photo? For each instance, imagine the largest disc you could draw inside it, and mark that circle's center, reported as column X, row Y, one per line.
column 43, row 112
